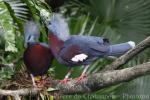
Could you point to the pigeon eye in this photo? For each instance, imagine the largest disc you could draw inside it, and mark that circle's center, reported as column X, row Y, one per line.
column 29, row 37
column 49, row 23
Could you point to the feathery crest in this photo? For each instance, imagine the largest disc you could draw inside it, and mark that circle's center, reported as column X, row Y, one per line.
column 31, row 31
column 59, row 26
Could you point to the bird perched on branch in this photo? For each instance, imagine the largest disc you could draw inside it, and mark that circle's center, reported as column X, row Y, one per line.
column 37, row 56
column 76, row 50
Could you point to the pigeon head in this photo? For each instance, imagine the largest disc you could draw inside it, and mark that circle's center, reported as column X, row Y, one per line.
column 31, row 32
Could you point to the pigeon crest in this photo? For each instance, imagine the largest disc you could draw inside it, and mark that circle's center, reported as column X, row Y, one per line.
column 59, row 27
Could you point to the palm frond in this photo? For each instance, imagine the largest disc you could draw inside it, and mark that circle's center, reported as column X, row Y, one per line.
column 128, row 17
column 19, row 8
column 6, row 24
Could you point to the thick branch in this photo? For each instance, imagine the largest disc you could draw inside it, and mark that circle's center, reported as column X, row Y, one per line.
column 100, row 80
column 129, row 55
column 94, row 82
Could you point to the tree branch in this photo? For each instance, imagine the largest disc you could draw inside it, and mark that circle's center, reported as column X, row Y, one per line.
column 98, row 81
column 129, row 55
column 93, row 82
column 20, row 92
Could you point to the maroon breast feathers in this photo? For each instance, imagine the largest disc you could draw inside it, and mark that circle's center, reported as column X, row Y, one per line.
column 55, row 43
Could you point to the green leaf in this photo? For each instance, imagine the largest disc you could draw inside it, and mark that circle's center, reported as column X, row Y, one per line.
column 6, row 23
column 17, row 9
column 50, row 89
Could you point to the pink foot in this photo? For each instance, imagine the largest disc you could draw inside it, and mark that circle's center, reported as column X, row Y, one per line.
column 82, row 78
column 65, row 81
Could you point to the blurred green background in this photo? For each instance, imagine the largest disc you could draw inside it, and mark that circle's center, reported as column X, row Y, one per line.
column 118, row 20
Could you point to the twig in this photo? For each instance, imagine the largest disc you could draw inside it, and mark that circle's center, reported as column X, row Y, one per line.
column 17, row 97
column 20, row 92
column 11, row 64
column 7, row 65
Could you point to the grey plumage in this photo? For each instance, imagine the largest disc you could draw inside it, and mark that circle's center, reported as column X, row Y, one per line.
column 81, row 50
column 119, row 49
column 93, row 47
column 31, row 32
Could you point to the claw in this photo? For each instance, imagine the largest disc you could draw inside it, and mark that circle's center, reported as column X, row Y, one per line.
column 65, row 81
column 82, row 78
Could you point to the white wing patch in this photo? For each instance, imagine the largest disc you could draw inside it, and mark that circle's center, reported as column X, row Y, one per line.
column 79, row 57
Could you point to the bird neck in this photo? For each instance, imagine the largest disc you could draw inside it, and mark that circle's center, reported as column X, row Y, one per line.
column 55, row 43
